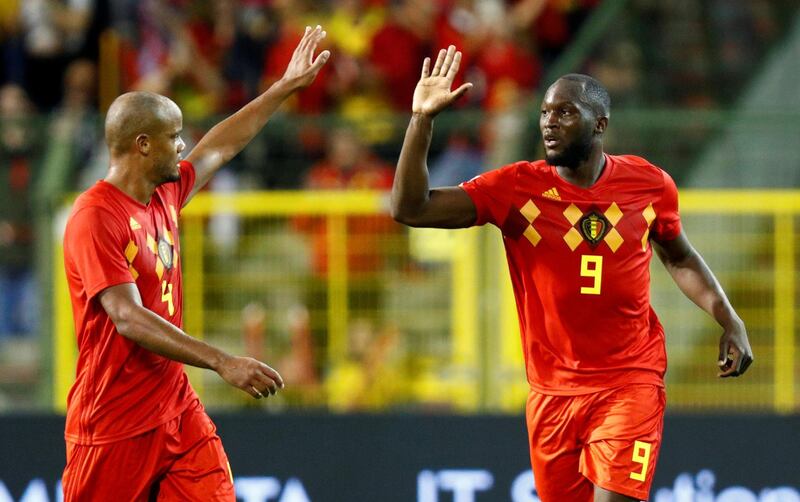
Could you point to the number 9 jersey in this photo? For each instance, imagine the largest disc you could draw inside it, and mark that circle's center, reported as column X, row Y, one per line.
column 579, row 260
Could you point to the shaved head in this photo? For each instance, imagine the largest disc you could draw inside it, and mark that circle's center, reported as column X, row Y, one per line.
column 594, row 93
column 135, row 113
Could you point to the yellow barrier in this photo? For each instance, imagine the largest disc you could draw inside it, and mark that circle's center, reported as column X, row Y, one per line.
column 431, row 287
column 65, row 351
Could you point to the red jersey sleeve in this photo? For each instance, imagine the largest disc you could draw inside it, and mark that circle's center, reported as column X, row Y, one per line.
column 492, row 193
column 94, row 244
column 186, row 183
column 667, row 225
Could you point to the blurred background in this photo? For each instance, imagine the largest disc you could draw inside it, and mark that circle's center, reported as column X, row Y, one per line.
column 290, row 256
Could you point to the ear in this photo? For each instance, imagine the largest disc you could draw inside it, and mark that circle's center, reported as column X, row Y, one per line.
column 143, row 144
column 600, row 125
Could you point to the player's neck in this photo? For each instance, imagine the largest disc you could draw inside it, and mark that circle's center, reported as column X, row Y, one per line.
column 131, row 182
column 587, row 172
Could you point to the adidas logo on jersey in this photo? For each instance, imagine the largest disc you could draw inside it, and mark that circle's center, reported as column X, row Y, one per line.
column 552, row 194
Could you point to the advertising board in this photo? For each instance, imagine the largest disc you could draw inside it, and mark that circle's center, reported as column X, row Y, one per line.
column 327, row 458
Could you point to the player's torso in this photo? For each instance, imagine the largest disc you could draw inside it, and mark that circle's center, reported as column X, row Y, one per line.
column 585, row 252
column 123, row 389
column 152, row 252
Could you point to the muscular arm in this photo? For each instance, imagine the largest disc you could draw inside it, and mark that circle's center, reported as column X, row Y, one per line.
column 226, row 139
column 698, row 283
column 413, row 203
column 124, row 306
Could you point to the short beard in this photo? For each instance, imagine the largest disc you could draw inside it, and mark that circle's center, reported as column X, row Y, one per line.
column 170, row 177
column 573, row 155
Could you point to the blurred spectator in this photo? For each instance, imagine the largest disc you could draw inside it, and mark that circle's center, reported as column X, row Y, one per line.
column 224, row 226
column 75, row 132
column 740, row 26
column 56, row 27
column 180, row 54
column 354, row 92
column 293, row 17
column 293, row 356
column 18, row 149
column 55, row 33
column 463, row 23
column 351, row 25
column 506, row 61
column 255, row 29
column 370, row 378
column 619, row 67
column 365, row 106
column 12, row 44
column 398, row 48
column 551, row 24
column 461, row 160
column 298, row 366
column 505, row 129
column 349, row 165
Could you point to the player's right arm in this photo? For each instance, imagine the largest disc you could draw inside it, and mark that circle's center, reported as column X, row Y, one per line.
column 413, row 202
column 698, row 283
column 123, row 304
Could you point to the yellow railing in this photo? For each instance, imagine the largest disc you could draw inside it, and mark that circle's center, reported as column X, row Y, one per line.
column 783, row 208
column 447, row 293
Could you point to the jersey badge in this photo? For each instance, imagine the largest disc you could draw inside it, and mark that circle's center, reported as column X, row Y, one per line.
column 594, row 226
column 165, row 252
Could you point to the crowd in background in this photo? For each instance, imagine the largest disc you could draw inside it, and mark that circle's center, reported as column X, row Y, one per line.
column 211, row 57
column 217, row 54
column 63, row 60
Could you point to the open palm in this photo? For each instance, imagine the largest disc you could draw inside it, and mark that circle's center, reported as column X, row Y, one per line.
column 433, row 93
column 304, row 67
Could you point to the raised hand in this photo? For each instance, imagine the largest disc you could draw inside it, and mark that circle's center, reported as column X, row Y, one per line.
column 304, row 67
column 251, row 375
column 433, row 93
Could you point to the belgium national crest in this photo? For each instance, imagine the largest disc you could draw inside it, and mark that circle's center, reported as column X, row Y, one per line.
column 594, row 226
column 165, row 252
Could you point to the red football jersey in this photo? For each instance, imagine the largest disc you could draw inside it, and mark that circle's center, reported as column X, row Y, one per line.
column 579, row 263
column 122, row 389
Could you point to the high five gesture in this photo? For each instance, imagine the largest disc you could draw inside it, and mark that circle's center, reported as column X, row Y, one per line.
column 433, row 93
column 225, row 140
column 413, row 202
column 304, row 67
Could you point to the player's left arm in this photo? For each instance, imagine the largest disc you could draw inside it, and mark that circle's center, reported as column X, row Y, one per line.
column 697, row 282
column 226, row 139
